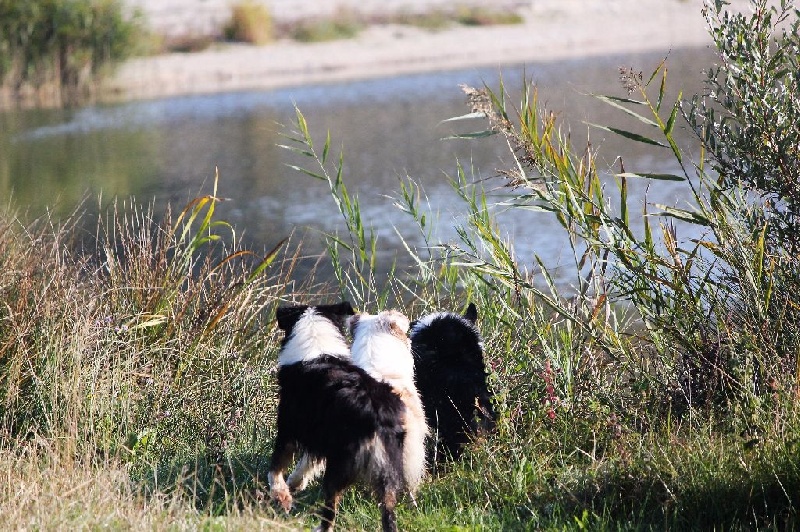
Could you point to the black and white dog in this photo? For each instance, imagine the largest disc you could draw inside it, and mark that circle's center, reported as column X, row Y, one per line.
column 337, row 414
column 451, row 378
column 381, row 347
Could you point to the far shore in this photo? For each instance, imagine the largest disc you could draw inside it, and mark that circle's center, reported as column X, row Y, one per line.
column 552, row 31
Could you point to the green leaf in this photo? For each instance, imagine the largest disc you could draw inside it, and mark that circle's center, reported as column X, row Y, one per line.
column 623, row 200
column 662, row 89
column 268, row 259
column 467, row 116
column 647, row 175
column 476, row 135
column 673, row 115
column 629, row 135
column 301, row 123
column 307, row 172
column 613, row 102
column 681, row 214
column 620, row 100
column 296, row 150
column 326, row 147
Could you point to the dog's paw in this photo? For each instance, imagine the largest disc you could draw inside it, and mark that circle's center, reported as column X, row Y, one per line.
column 282, row 496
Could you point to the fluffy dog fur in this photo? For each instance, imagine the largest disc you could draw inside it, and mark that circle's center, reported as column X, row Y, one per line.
column 336, row 413
column 382, row 349
column 451, row 378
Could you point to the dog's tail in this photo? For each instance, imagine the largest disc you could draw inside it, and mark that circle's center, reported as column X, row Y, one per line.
column 416, row 430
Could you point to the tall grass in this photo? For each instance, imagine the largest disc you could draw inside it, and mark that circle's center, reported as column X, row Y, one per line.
column 143, row 365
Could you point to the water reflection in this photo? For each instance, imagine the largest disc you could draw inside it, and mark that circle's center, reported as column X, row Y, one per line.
column 167, row 150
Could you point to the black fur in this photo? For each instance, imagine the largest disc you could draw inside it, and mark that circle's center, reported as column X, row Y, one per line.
column 336, row 411
column 335, row 407
column 337, row 313
column 451, row 378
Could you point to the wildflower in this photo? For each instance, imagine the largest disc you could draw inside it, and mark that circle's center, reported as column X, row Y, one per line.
column 551, row 398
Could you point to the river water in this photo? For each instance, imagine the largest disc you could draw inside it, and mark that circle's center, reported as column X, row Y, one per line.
column 166, row 151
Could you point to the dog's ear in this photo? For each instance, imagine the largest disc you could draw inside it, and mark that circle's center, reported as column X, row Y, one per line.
column 397, row 330
column 397, row 323
column 346, row 309
column 288, row 316
column 471, row 315
column 336, row 312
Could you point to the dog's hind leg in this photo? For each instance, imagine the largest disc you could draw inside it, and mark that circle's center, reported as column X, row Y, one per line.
column 306, row 470
column 281, row 458
column 388, row 504
column 338, row 477
column 328, row 512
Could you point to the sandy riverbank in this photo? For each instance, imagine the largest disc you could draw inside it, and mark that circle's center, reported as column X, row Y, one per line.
column 553, row 30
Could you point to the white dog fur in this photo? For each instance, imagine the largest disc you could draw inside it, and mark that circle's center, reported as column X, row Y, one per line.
column 382, row 348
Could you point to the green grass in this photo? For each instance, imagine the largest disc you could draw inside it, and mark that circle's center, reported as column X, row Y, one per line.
column 466, row 16
column 137, row 385
column 342, row 26
column 482, row 16
column 346, row 25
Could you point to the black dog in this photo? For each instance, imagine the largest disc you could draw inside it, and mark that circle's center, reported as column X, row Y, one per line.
column 334, row 412
column 451, row 379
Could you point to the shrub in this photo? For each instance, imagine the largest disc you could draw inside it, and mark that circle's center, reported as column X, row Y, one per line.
column 343, row 25
column 250, row 22
column 747, row 119
column 481, row 16
column 60, row 48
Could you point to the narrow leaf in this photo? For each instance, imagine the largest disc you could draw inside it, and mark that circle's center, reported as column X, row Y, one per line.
column 464, row 117
column 620, row 100
column 476, row 135
column 629, row 135
column 326, row 147
column 648, row 175
column 295, row 149
column 623, row 200
column 671, row 122
column 681, row 214
column 307, row 172
column 613, row 102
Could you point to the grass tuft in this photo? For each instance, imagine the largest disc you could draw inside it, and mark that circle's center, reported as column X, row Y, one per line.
column 251, row 22
column 482, row 16
column 343, row 25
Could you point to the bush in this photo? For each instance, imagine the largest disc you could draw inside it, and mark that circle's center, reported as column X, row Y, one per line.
column 748, row 118
column 342, row 25
column 250, row 22
column 58, row 49
column 480, row 16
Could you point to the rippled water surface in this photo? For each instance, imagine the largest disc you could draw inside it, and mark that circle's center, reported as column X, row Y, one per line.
column 166, row 151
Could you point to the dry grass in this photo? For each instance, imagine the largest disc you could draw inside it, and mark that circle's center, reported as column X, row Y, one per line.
column 45, row 487
column 250, row 22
